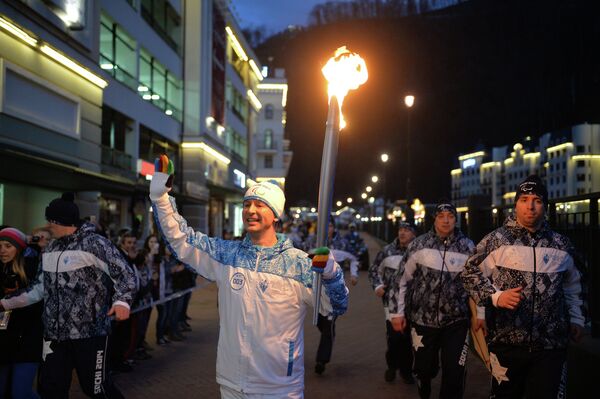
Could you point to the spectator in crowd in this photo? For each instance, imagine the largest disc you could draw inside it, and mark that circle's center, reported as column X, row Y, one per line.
column 79, row 269
column 265, row 287
column 164, row 285
column 398, row 355
column 143, row 302
column 122, row 330
column 526, row 276
column 326, row 324
column 428, row 293
column 20, row 329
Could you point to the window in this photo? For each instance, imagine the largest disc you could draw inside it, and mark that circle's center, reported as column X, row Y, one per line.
column 268, row 161
column 116, row 128
column 236, row 102
column 269, row 111
column 160, row 86
column 581, row 177
column 118, row 52
column 580, row 149
column 152, row 145
column 164, row 19
column 268, row 139
column 580, row 164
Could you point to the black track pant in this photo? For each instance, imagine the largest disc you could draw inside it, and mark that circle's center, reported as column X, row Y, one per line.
column 327, row 329
column 88, row 356
column 399, row 354
column 452, row 342
column 540, row 374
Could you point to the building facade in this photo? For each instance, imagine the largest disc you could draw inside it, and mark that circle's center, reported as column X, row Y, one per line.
column 92, row 91
column 221, row 77
column 567, row 160
column 271, row 149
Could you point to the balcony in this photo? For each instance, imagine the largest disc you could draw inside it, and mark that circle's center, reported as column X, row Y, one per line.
column 115, row 161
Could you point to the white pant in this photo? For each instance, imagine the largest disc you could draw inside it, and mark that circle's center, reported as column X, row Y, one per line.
column 229, row 393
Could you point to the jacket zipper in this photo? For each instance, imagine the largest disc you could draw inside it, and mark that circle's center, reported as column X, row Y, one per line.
column 58, row 298
column 257, row 259
column 533, row 298
column 441, row 282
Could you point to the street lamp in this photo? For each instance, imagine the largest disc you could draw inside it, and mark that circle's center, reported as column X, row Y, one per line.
column 374, row 179
column 409, row 101
column 369, row 189
column 385, row 158
column 363, row 196
column 349, row 200
column 339, row 203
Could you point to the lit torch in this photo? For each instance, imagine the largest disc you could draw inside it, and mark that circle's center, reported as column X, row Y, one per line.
column 344, row 71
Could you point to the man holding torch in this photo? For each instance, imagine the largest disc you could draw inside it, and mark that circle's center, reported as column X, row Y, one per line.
column 265, row 287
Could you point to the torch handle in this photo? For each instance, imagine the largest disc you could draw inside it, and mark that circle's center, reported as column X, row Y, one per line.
column 330, row 148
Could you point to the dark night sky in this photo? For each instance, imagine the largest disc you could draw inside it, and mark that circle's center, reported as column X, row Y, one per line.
column 485, row 72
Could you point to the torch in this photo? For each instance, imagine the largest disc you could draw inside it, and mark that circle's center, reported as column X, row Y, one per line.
column 344, row 71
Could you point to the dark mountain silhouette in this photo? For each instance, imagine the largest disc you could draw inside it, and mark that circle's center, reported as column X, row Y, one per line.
column 483, row 71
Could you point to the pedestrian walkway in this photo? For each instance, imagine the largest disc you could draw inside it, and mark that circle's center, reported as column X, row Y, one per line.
column 187, row 369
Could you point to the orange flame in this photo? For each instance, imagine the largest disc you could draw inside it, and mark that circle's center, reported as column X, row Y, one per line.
column 344, row 71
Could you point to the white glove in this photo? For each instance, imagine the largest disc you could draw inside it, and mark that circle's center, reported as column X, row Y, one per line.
column 162, row 178
column 158, row 186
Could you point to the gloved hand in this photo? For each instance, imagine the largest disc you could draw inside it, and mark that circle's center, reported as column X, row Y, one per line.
column 319, row 260
column 162, row 180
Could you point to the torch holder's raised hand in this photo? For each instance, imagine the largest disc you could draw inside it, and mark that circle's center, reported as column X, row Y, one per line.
column 162, row 180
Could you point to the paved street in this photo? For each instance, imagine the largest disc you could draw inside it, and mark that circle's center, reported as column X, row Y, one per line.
column 187, row 369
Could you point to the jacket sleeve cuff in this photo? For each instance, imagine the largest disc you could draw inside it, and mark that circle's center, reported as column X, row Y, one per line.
column 495, row 297
column 396, row 315
column 481, row 312
column 379, row 286
column 121, row 303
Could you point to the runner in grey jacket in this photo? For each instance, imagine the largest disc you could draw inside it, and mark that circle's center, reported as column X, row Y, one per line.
column 382, row 272
column 429, row 293
column 525, row 274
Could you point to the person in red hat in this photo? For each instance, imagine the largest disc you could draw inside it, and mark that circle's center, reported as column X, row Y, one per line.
column 20, row 329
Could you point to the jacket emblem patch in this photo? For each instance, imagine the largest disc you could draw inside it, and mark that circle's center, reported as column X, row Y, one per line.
column 237, row 281
column 263, row 285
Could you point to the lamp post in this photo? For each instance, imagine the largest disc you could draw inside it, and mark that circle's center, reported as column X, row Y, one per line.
column 385, row 158
column 409, row 101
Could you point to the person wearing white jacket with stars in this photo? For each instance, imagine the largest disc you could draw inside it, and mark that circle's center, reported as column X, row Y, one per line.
column 265, row 288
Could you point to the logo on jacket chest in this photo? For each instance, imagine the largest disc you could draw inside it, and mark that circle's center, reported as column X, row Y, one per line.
column 264, row 284
column 237, row 281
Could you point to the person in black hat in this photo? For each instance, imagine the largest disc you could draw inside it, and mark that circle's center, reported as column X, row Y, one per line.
column 85, row 280
column 428, row 293
column 525, row 274
column 398, row 355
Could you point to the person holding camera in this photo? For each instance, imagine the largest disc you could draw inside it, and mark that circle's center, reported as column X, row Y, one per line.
column 20, row 329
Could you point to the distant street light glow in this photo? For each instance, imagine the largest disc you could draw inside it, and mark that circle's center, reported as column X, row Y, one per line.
column 384, row 158
column 369, row 189
column 409, row 101
column 374, row 179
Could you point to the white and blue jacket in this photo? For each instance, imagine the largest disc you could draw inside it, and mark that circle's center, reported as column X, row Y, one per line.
column 264, row 293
